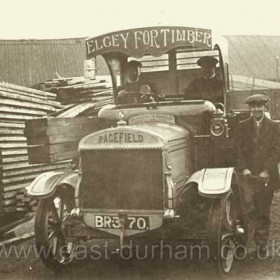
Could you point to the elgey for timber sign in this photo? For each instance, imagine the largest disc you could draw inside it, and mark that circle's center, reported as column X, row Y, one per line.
column 157, row 40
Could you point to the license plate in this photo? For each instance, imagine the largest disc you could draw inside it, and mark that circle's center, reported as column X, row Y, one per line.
column 113, row 222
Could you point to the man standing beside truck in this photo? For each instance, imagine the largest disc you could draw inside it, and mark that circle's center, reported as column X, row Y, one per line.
column 258, row 157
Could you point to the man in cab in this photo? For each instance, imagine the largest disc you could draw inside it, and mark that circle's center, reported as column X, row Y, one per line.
column 135, row 90
column 207, row 86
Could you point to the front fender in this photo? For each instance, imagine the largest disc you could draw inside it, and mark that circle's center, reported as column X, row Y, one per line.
column 213, row 182
column 46, row 184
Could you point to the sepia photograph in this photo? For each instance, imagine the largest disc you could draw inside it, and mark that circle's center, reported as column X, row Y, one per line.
column 140, row 140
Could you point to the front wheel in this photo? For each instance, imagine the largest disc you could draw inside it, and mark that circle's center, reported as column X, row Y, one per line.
column 54, row 249
column 221, row 233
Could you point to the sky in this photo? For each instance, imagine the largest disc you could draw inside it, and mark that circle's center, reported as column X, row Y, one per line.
column 54, row 19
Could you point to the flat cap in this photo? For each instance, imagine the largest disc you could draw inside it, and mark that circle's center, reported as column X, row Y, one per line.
column 207, row 60
column 134, row 63
column 257, row 98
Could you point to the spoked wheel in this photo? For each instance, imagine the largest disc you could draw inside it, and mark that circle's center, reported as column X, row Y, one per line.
column 54, row 249
column 221, row 233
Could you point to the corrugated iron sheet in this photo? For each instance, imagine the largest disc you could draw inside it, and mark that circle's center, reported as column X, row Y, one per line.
column 243, row 83
column 254, row 56
column 29, row 62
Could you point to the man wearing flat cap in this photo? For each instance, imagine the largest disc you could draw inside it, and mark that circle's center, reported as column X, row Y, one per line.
column 258, row 156
column 135, row 90
column 208, row 86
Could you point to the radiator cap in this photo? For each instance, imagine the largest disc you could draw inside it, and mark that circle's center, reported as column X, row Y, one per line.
column 121, row 121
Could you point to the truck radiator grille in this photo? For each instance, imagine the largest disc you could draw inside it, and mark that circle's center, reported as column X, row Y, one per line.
column 122, row 179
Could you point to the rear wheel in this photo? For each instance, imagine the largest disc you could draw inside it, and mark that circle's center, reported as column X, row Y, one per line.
column 54, row 249
column 221, row 233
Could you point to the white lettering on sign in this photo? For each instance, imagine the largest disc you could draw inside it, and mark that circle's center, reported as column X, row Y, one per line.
column 154, row 35
column 120, row 137
column 113, row 222
column 98, row 221
column 124, row 37
column 164, row 32
column 151, row 38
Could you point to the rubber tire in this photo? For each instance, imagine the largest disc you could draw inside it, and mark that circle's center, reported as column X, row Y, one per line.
column 217, row 226
column 42, row 224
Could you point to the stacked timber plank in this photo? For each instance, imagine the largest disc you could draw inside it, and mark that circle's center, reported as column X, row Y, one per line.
column 25, row 203
column 83, row 92
column 86, row 108
column 57, row 138
column 77, row 90
column 18, row 104
column 54, row 139
column 51, row 141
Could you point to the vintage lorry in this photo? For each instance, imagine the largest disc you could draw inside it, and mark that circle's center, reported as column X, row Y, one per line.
column 155, row 170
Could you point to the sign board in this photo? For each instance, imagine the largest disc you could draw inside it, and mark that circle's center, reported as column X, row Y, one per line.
column 120, row 138
column 155, row 40
column 90, row 68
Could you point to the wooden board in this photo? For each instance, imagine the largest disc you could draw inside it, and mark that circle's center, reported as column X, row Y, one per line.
column 12, row 138
column 53, row 149
column 12, row 125
column 20, row 110
column 24, row 104
column 13, row 152
column 13, row 145
column 35, row 168
column 29, row 98
column 55, row 139
column 66, row 94
column 9, row 131
column 25, row 89
column 35, row 158
column 52, row 153
column 13, row 159
column 51, row 126
column 18, row 117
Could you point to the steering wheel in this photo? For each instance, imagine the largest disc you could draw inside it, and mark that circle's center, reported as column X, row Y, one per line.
column 142, row 96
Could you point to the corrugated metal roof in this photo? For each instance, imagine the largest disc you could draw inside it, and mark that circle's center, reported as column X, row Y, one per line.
column 239, row 83
column 254, row 55
column 29, row 62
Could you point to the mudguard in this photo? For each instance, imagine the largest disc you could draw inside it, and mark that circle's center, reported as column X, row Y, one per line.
column 213, row 182
column 46, row 184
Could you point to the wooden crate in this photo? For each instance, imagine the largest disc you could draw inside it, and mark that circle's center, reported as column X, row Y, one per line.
column 54, row 139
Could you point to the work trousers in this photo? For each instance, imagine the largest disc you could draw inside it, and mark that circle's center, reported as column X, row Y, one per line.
column 262, row 202
column 257, row 200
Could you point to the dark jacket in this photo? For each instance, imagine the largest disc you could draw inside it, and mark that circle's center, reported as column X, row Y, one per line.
column 262, row 152
column 205, row 89
column 133, row 93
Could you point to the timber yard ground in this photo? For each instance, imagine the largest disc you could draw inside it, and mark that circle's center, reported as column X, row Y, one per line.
column 251, row 268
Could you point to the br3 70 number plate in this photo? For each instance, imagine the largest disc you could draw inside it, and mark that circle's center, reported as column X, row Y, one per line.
column 113, row 222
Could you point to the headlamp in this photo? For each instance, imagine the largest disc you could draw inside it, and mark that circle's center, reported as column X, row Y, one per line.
column 217, row 129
